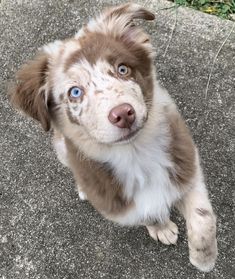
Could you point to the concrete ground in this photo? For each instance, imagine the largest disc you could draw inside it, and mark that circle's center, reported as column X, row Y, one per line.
column 45, row 231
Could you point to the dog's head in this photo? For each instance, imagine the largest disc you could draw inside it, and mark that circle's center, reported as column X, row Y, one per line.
column 98, row 84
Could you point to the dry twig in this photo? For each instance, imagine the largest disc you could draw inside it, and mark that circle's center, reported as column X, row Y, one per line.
column 172, row 32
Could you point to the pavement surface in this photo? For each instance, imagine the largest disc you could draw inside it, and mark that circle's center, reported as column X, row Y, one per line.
column 46, row 232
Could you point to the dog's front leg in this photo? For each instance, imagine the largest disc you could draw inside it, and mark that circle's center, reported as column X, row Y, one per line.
column 201, row 227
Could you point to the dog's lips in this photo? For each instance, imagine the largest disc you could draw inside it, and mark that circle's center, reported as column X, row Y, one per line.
column 131, row 135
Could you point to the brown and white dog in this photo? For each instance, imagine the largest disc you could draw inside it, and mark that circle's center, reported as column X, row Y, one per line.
column 119, row 132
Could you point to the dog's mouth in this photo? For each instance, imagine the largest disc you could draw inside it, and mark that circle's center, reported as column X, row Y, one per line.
column 132, row 134
column 129, row 137
column 126, row 135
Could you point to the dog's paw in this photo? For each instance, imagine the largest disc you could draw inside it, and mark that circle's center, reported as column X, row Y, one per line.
column 166, row 233
column 202, row 240
column 203, row 258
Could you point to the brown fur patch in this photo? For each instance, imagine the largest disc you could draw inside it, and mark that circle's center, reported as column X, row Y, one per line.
column 53, row 107
column 98, row 182
column 121, row 10
column 71, row 117
column 182, row 151
column 61, row 97
column 27, row 94
column 111, row 73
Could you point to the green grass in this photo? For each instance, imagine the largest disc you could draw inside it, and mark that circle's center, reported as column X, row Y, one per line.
column 222, row 8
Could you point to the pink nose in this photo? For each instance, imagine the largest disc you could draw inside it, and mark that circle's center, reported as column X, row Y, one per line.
column 122, row 116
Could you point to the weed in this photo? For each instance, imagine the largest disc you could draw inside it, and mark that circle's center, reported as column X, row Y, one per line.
column 222, row 8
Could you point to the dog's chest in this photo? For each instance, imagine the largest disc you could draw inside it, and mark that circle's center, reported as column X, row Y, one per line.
column 145, row 178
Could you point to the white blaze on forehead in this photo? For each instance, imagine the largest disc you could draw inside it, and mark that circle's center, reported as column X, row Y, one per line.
column 103, row 66
column 101, row 77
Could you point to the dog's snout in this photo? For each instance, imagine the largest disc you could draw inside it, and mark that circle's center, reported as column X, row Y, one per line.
column 122, row 116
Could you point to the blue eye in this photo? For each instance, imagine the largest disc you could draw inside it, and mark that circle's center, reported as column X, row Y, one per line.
column 75, row 92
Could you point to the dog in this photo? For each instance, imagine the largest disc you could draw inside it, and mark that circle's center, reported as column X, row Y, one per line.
column 119, row 131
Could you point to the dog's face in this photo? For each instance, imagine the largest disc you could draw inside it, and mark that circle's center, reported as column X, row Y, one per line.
column 98, row 84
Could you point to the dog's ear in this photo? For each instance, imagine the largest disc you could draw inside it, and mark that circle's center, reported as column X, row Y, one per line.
column 31, row 91
column 118, row 22
column 126, row 13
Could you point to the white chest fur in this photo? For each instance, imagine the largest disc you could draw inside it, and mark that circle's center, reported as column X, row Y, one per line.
column 143, row 171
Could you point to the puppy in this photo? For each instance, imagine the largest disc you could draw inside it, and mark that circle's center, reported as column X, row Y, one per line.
column 119, row 132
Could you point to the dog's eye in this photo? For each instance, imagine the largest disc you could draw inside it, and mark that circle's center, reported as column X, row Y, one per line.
column 123, row 70
column 75, row 92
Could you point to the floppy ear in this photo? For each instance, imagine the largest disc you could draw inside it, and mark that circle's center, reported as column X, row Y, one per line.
column 118, row 22
column 129, row 11
column 30, row 92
